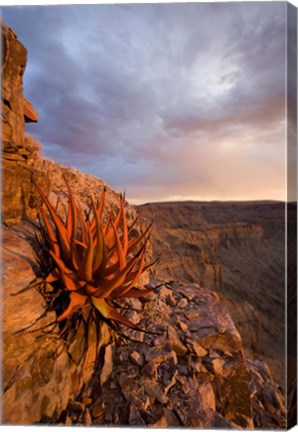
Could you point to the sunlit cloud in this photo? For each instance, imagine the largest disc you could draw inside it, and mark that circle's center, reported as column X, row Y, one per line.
column 166, row 101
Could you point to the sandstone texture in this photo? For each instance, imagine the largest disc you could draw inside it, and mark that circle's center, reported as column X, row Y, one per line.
column 19, row 197
column 236, row 249
column 191, row 377
column 37, row 383
column 189, row 370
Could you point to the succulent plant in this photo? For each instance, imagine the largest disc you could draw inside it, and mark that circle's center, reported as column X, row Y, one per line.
column 94, row 264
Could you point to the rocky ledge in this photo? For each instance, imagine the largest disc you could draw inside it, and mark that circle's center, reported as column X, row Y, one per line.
column 187, row 370
column 192, row 374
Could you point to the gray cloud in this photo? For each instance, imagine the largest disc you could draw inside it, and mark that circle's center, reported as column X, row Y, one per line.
column 163, row 98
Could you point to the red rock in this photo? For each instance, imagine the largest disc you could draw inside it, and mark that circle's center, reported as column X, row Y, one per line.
column 198, row 349
column 156, row 391
column 87, row 418
column 107, row 368
column 218, row 366
column 158, row 354
column 133, row 316
column 150, row 370
column 207, row 393
column 30, row 114
column 183, row 326
column 167, row 295
column 161, row 423
column 136, row 358
column 135, row 418
column 182, row 303
column 175, row 342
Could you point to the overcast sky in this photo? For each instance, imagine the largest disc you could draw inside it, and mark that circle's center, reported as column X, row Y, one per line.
column 166, row 101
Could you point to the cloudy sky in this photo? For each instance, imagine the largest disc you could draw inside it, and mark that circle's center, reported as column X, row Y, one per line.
column 166, row 101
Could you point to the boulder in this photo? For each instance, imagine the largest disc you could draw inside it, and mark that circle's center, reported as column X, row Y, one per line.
column 30, row 115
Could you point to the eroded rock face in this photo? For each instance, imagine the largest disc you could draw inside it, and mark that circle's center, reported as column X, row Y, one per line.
column 13, row 67
column 236, row 249
column 201, row 381
column 36, row 383
column 19, row 198
column 190, row 372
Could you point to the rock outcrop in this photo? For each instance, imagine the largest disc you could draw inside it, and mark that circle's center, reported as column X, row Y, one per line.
column 236, row 249
column 22, row 164
column 19, row 198
column 193, row 374
column 190, row 371
column 36, row 382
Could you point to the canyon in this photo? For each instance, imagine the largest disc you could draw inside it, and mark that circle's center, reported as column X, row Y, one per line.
column 214, row 321
column 236, row 249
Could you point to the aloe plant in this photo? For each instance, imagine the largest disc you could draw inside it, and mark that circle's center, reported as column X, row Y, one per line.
column 94, row 264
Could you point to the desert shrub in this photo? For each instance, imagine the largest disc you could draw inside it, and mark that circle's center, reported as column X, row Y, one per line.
column 89, row 266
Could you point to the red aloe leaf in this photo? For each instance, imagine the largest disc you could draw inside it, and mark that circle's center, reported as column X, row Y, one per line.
column 100, row 241
column 108, row 271
column 107, row 257
column 123, row 290
column 120, row 251
column 131, row 275
column 61, row 230
column 125, row 230
column 84, row 228
column 106, row 287
column 83, row 245
column 110, row 313
column 53, row 276
column 133, row 224
column 90, row 290
column 88, row 259
column 110, row 234
column 99, row 210
column 51, row 233
column 107, row 224
column 63, row 273
column 134, row 242
column 72, row 221
column 76, row 301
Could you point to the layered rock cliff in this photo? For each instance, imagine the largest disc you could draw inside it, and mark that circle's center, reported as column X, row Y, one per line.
column 236, row 249
column 18, row 149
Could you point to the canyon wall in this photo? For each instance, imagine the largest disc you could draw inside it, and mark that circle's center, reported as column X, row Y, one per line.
column 236, row 249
